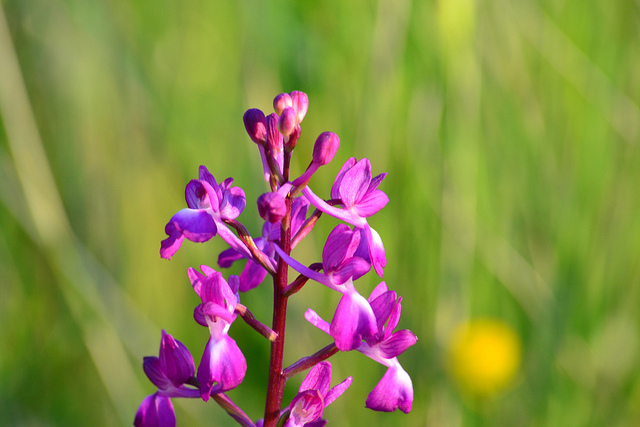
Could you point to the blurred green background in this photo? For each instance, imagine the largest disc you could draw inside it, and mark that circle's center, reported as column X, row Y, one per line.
column 510, row 131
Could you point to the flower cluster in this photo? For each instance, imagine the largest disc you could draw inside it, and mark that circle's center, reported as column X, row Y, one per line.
column 351, row 250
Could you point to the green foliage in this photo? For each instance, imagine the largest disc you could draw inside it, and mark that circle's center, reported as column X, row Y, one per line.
column 510, row 131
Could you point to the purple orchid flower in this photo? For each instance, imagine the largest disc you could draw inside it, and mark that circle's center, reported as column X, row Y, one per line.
column 314, row 395
column 253, row 273
column 223, row 365
column 360, row 197
column 354, row 319
column 169, row 372
column 395, row 390
column 208, row 204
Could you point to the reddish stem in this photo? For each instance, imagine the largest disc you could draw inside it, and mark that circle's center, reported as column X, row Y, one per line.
column 277, row 381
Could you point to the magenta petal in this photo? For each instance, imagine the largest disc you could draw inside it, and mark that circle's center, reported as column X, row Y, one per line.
column 176, row 360
column 155, row 372
column 353, row 268
column 233, row 203
column 317, row 321
column 194, row 224
column 394, row 391
column 371, row 203
column 318, row 378
column 340, row 245
column 397, row 343
column 252, row 276
column 355, row 183
column 214, row 310
column 337, row 391
column 379, row 290
column 155, row 411
column 222, row 367
column 196, row 195
column 228, row 257
column 352, row 322
column 376, row 250
column 382, row 306
column 335, row 193
column 375, row 181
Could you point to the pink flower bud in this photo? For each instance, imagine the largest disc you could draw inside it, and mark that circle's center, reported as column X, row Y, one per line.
column 256, row 125
column 281, row 102
column 325, row 147
column 287, row 121
column 271, row 207
column 300, row 103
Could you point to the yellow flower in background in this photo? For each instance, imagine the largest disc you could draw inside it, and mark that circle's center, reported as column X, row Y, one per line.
column 484, row 356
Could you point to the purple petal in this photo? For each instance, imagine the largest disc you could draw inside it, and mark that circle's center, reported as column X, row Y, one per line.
column 394, row 318
column 228, row 257
column 318, row 378
column 305, row 408
column 252, row 276
column 335, row 193
column 155, row 372
column 397, row 343
column 317, row 321
column 222, row 364
column 176, row 360
column 215, row 311
column 353, row 268
column 355, row 183
column 375, row 181
column 337, row 391
column 195, row 225
column 394, row 391
column 371, row 203
column 379, row 290
column 199, row 316
column 352, row 322
column 205, row 175
column 376, row 250
column 298, row 213
column 233, row 203
column 155, row 411
column 196, row 195
column 340, row 245
column 382, row 306
column 231, row 239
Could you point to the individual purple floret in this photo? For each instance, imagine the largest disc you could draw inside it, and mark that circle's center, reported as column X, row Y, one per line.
column 395, row 389
column 169, row 372
column 223, row 365
column 208, row 204
column 360, row 197
column 313, row 396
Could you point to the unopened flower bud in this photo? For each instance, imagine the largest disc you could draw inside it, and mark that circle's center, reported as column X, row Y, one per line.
column 287, row 121
column 300, row 103
column 271, row 207
column 325, row 147
column 273, row 136
column 256, row 125
column 281, row 102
